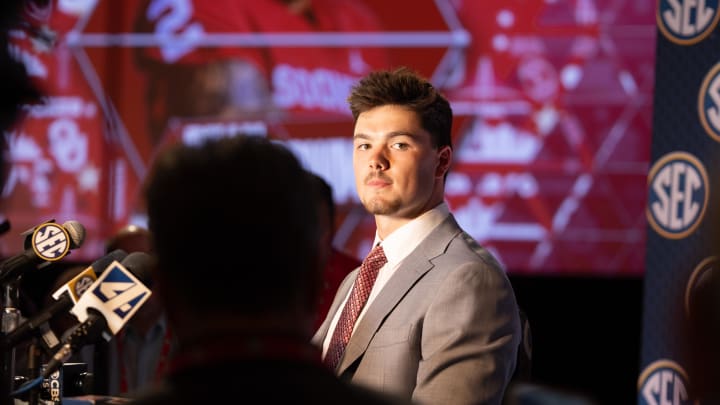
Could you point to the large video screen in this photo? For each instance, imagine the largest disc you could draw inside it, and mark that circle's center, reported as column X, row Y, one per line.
column 552, row 103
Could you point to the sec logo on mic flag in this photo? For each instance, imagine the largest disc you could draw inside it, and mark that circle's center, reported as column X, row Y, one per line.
column 50, row 241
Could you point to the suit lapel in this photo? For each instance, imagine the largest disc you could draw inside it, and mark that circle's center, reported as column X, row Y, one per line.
column 412, row 268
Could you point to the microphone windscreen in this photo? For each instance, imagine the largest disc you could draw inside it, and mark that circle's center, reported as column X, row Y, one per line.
column 102, row 263
column 76, row 231
column 140, row 265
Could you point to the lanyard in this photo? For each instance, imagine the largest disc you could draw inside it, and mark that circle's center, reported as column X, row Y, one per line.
column 162, row 363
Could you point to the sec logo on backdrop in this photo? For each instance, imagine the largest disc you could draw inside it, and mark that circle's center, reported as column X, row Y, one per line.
column 677, row 195
column 686, row 22
column 663, row 382
column 709, row 103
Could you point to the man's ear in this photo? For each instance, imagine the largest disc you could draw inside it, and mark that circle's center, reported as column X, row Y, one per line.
column 444, row 161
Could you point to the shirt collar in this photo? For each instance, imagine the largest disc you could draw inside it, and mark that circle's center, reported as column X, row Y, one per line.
column 405, row 239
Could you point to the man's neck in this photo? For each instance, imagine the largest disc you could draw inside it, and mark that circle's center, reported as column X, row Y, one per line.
column 387, row 224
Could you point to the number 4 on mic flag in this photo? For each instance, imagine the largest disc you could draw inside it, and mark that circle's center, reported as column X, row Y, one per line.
column 117, row 294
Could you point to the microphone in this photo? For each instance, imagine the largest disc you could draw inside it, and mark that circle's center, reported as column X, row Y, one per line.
column 65, row 297
column 77, row 286
column 107, row 306
column 4, row 226
column 47, row 243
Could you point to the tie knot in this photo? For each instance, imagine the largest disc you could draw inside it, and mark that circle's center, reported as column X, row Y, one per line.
column 376, row 258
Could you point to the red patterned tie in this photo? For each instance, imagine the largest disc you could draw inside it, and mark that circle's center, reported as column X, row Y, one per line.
column 358, row 297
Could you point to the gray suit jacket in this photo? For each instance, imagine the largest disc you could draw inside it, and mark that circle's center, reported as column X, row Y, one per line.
column 444, row 330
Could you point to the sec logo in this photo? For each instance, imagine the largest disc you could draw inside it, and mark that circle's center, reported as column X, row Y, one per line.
column 81, row 285
column 663, row 382
column 686, row 22
column 677, row 195
column 50, row 241
column 709, row 103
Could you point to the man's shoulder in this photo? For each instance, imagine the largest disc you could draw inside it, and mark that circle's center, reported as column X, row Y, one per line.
column 366, row 396
column 276, row 382
column 462, row 248
column 352, row 395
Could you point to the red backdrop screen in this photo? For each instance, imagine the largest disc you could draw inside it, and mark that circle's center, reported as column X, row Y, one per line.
column 552, row 104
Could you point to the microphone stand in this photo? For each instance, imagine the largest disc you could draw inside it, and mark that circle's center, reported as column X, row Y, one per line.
column 33, row 370
column 10, row 319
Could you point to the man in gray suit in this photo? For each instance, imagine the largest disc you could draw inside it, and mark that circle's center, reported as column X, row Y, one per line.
column 439, row 323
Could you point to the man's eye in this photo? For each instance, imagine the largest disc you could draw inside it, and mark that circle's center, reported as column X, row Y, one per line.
column 362, row 146
column 400, row 146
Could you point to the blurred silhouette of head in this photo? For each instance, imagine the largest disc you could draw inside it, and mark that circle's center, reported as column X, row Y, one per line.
column 235, row 229
column 16, row 87
column 130, row 238
column 326, row 207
